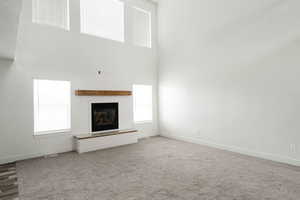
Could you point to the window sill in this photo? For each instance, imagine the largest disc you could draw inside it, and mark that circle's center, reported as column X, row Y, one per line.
column 122, row 41
column 142, row 46
column 144, row 122
column 67, row 29
column 48, row 133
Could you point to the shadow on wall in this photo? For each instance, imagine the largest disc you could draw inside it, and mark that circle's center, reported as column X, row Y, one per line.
column 6, row 62
column 5, row 66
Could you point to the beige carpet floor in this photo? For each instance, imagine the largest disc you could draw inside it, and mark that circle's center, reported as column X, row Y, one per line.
column 157, row 169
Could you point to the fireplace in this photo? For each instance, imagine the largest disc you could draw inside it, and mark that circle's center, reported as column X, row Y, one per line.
column 105, row 116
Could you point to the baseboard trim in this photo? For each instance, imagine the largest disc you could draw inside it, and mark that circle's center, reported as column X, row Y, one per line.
column 10, row 159
column 28, row 156
column 262, row 155
column 19, row 157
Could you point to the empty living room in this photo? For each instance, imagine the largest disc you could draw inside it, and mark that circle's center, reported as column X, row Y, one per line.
column 149, row 100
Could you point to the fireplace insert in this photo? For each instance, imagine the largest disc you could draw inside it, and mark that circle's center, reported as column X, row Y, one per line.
column 105, row 116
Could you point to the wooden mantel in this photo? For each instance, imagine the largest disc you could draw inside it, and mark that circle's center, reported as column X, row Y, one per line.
column 102, row 93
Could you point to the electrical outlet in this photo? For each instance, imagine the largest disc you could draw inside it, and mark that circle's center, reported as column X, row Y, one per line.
column 198, row 134
column 293, row 148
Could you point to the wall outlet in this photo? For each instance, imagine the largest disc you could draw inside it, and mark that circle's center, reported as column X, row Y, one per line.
column 293, row 148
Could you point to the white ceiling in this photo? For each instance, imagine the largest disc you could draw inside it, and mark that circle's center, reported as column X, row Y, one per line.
column 9, row 21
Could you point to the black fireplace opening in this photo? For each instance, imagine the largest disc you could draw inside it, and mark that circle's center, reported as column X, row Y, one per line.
column 105, row 116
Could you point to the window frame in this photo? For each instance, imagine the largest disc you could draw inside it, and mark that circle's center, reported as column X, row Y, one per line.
column 35, row 20
column 149, row 13
column 83, row 28
column 49, row 132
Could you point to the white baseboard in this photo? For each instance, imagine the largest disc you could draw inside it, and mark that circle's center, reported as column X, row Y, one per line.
column 19, row 157
column 28, row 156
column 148, row 134
column 15, row 158
column 262, row 155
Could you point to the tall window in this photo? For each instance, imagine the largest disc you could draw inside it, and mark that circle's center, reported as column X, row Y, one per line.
column 141, row 27
column 51, row 12
column 103, row 18
column 52, row 106
column 142, row 98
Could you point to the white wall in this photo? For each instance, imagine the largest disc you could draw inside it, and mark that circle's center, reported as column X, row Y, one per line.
column 9, row 21
column 229, row 75
column 49, row 53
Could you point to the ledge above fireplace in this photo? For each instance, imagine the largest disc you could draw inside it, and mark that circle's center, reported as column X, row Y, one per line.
column 103, row 93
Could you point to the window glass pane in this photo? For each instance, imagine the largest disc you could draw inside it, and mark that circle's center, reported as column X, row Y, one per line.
column 103, row 18
column 142, row 97
column 141, row 27
column 52, row 106
column 51, row 12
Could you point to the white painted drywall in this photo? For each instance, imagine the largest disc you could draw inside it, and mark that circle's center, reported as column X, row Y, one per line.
column 229, row 75
column 9, row 22
column 49, row 53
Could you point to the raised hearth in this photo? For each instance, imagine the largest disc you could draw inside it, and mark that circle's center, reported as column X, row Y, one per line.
column 93, row 142
column 104, row 134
